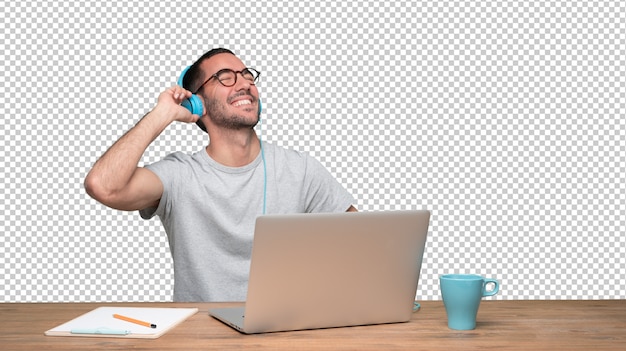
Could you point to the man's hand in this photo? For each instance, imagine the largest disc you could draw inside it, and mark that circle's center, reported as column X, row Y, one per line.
column 169, row 105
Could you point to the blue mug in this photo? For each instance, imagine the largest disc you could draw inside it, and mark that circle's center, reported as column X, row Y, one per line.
column 461, row 295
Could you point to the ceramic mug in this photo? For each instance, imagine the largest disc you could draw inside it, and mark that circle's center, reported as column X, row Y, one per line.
column 461, row 295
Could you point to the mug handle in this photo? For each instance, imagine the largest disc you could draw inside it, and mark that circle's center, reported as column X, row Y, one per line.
column 496, row 287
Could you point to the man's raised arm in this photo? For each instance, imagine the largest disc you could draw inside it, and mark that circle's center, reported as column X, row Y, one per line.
column 115, row 179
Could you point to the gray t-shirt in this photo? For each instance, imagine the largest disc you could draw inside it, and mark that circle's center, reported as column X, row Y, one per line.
column 209, row 210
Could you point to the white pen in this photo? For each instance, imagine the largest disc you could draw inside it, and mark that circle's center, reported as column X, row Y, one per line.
column 100, row 331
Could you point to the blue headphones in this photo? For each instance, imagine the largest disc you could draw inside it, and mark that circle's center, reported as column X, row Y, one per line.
column 194, row 103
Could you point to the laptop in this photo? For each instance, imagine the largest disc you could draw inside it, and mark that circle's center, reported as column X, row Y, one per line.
column 325, row 270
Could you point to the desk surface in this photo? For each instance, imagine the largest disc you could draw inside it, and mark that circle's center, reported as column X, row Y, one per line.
column 505, row 325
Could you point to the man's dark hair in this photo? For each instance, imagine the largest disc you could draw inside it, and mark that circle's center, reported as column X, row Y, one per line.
column 194, row 76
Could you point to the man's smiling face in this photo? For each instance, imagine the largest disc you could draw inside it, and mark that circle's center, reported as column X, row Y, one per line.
column 234, row 107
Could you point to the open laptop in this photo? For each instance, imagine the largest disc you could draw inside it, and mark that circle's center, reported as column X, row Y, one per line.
column 311, row 271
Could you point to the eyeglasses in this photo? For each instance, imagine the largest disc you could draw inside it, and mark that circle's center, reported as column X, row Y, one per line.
column 227, row 77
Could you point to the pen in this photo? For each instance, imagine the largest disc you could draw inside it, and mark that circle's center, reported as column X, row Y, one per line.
column 136, row 321
column 101, row 331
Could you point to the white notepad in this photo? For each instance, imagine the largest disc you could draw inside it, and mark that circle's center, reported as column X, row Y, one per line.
column 101, row 323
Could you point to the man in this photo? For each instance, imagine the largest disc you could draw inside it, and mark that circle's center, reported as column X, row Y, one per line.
column 208, row 202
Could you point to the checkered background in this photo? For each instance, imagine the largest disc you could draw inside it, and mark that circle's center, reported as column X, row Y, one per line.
column 505, row 119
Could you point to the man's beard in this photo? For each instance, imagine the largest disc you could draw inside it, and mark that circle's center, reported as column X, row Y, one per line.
column 220, row 117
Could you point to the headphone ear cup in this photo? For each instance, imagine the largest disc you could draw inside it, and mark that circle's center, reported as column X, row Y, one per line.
column 193, row 104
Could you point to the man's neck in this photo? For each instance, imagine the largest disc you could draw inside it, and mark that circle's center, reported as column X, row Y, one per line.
column 234, row 150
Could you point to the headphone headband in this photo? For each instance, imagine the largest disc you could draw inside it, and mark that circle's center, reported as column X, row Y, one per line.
column 182, row 75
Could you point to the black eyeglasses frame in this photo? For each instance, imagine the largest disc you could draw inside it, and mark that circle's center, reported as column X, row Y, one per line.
column 254, row 72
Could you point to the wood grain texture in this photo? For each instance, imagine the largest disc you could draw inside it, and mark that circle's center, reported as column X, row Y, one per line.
column 501, row 325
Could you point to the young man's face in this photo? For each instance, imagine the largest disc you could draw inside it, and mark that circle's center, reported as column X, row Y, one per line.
column 234, row 107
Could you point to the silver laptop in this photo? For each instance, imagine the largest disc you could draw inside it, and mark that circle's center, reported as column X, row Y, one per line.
column 311, row 271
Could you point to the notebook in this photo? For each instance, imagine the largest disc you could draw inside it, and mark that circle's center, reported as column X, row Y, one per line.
column 311, row 271
column 100, row 322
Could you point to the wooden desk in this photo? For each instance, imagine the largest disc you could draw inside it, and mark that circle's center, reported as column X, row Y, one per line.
column 502, row 325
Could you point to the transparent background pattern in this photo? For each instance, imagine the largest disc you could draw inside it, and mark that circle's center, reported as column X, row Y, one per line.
column 506, row 119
